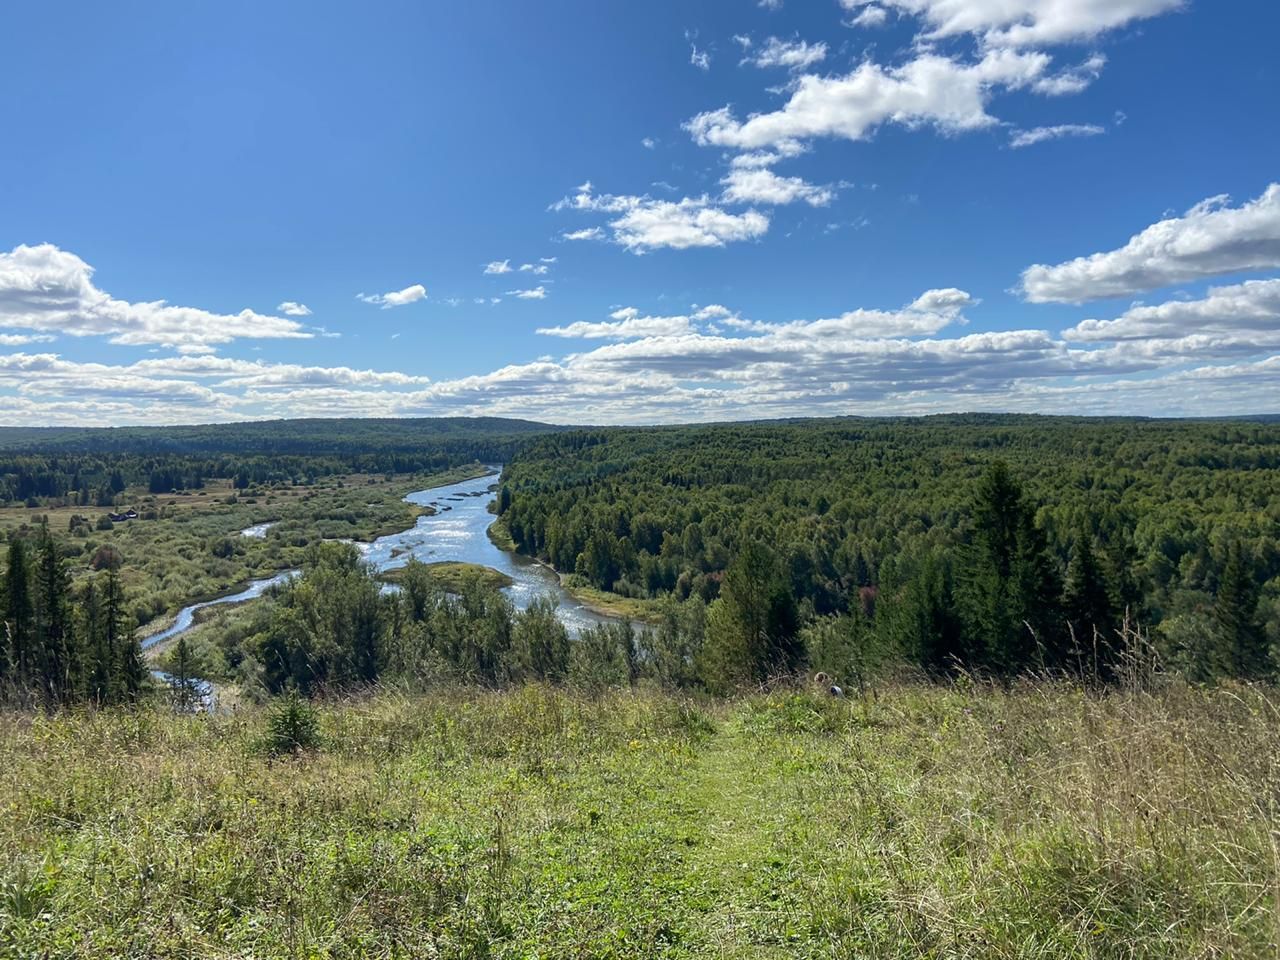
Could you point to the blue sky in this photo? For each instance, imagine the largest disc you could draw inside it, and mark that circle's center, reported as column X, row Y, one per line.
column 587, row 212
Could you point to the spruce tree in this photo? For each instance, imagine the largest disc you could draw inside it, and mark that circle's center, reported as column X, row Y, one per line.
column 1087, row 603
column 1235, row 612
column 1008, row 592
column 130, row 670
column 19, row 614
column 54, row 639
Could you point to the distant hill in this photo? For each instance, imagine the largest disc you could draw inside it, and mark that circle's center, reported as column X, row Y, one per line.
column 335, row 436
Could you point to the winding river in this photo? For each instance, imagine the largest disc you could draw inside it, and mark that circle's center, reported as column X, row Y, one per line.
column 457, row 530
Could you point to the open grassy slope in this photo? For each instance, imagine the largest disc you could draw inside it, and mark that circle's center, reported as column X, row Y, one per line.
column 925, row 822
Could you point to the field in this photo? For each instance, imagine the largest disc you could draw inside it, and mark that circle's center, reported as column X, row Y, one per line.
column 188, row 546
column 960, row 821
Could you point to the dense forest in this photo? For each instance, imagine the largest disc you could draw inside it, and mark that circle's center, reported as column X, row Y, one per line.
column 1002, row 545
column 65, row 465
column 989, row 540
column 63, row 643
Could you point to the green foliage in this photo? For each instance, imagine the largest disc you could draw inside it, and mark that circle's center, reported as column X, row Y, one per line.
column 293, row 725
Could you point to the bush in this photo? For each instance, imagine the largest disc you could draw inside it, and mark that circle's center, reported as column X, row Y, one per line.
column 293, row 726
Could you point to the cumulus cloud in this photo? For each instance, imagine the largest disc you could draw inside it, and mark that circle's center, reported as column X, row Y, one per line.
column 1027, row 138
column 498, row 266
column 761, row 185
column 1210, row 239
column 791, row 54
column 49, row 290
column 700, row 58
column 930, row 89
column 292, row 309
column 1023, row 22
column 625, row 324
column 397, row 298
column 537, row 269
column 710, row 364
column 642, row 223
column 1245, row 315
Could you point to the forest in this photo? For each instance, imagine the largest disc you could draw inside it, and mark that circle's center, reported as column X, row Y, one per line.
column 945, row 687
column 956, row 538
column 42, row 466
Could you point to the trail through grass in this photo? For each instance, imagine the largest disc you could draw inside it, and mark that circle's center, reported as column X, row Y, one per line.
column 1039, row 823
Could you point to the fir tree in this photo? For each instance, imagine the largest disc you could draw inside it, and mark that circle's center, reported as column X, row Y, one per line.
column 1235, row 612
column 1087, row 603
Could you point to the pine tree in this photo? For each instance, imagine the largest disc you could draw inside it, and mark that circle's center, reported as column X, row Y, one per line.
column 1235, row 612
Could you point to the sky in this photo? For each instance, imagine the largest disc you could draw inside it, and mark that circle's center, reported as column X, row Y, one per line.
column 587, row 212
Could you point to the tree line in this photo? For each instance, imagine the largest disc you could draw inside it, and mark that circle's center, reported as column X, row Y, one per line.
column 63, row 644
column 996, row 604
column 859, row 513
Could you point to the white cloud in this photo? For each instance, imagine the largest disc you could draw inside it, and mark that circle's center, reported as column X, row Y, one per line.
column 761, row 185
column 1024, row 22
column 770, row 4
column 657, row 369
column 20, row 339
column 870, row 16
column 648, row 143
column 791, row 54
column 1245, row 316
column 1072, row 80
column 537, row 269
column 587, row 233
column 49, row 290
column 1027, row 138
column 498, row 266
column 537, row 293
column 626, row 324
column 700, row 58
column 643, row 223
column 397, row 298
column 291, row 309
column 930, row 89
column 548, row 259
column 1211, row 239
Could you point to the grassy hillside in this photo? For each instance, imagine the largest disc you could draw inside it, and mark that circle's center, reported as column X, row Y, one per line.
column 958, row 822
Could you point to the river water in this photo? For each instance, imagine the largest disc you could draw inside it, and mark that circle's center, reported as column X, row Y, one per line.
column 456, row 531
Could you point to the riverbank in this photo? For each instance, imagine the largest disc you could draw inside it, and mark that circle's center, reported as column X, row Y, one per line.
column 364, row 525
column 925, row 821
column 600, row 602
column 453, row 575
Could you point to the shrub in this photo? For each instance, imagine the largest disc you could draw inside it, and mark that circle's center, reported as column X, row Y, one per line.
column 294, row 726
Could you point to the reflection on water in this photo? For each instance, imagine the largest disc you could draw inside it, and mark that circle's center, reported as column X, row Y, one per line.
column 457, row 531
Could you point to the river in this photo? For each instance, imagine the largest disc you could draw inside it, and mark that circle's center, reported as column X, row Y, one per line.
column 457, row 530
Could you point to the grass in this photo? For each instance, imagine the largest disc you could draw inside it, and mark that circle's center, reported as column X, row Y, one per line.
column 192, row 550
column 453, row 574
column 501, row 536
column 637, row 610
column 936, row 822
